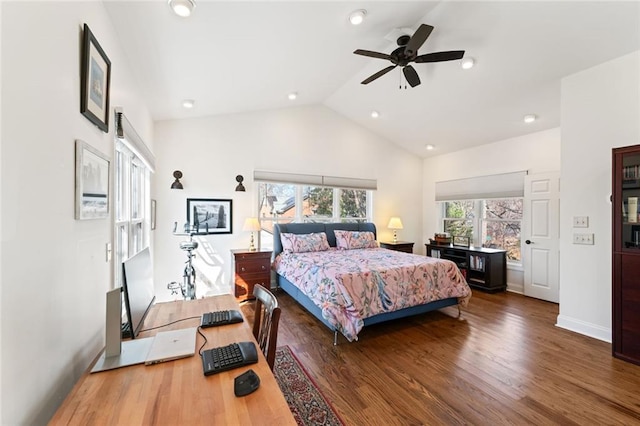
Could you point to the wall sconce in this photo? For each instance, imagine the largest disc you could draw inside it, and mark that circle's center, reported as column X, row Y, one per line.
column 240, row 187
column 176, row 183
column 251, row 224
column 395, row 223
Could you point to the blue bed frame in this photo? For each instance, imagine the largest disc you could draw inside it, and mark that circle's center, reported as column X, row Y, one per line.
column 300, row 297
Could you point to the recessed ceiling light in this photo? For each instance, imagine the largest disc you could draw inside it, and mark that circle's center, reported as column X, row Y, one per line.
column 182, row 8
column 293, row 96
column 530, row 118
column 429, row 147
column 467, row 63
column 375, row 114
column 188, row 103
column 357, row 17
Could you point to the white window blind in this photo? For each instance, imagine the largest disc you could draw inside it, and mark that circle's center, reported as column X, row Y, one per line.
column 128, row 135
column 315, row 180
column 502, row 185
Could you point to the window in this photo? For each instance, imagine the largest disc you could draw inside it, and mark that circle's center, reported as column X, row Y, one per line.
column 285, row 203
column 131, row 207
column 494, row 223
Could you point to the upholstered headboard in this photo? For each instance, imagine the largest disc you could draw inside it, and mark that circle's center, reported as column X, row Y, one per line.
column 308, row 228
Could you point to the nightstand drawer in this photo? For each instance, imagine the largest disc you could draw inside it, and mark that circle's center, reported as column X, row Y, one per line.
column 253, row 255
column 252, row 266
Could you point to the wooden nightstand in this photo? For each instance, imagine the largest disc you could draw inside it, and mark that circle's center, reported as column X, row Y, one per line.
column 404, row 246
column 252, row 267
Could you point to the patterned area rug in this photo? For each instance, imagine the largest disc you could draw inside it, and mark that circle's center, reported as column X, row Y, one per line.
column 308, row 405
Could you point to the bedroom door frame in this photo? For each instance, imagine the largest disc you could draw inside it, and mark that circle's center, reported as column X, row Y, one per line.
column 541, row 236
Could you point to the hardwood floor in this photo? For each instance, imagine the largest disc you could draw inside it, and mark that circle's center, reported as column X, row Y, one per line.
column 503, row 362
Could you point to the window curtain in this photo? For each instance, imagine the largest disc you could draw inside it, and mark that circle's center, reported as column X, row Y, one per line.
column 315, row 180
column 504, row 185
column 128, row 135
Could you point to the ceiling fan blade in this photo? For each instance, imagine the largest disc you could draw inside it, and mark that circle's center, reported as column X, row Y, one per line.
column 411, row 75
column 417, row 39
column 378, row 74
column 440, row 56
column 372, row 54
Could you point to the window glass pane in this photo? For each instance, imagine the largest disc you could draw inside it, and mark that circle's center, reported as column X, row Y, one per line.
column 277, row 200
column 121, row 251
column 459, row 209
column 459, row 228
column 136, row 191
column 137, row 237
column 317, row 202
column 353, row 203
column 504, row 235
column 508, row 208
column 120, row 207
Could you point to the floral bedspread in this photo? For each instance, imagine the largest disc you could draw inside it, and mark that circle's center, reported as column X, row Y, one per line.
column 351, row 285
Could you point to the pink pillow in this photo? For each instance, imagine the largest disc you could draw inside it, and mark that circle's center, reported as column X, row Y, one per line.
column 347, row 240
column 300, row 243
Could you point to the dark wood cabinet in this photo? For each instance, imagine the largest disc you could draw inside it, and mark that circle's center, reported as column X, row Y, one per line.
column 483, row 268
column 251, row 268
column 404, row 246
column 626, row 253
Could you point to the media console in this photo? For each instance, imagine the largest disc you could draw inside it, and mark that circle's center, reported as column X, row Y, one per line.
column 483, row 268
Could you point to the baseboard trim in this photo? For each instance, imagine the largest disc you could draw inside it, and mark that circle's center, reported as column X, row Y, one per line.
column 515, row 288
column 585, row 328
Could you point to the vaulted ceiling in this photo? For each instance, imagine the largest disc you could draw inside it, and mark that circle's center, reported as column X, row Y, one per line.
column 240, row 56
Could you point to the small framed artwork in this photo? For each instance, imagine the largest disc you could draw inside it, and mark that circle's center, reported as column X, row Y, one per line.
column 153, row 214
column 209, row 216
column 461, row 241
column 92, row 183
column 95, row 81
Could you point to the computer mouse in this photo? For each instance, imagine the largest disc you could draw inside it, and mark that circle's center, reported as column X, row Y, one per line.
column 246, row 383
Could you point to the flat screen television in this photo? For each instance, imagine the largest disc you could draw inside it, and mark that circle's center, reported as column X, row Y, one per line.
column 139, row 293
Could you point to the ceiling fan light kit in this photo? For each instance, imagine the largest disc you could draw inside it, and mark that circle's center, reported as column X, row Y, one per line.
column 182, row 8
column 357, row 17
column 406, row 53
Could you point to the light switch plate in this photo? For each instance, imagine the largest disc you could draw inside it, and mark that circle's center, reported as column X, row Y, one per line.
column 108, row 252
column 585, row 239
column 581, row 221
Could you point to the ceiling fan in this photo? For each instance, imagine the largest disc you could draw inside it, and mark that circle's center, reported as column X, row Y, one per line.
column 407, row 52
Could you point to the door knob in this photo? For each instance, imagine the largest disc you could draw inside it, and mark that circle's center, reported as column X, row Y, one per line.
column 528, row 242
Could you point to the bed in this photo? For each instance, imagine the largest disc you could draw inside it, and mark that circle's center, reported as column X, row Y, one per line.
column 347, row 282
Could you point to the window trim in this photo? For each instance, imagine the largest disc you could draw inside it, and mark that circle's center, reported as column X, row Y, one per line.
column 477, row 224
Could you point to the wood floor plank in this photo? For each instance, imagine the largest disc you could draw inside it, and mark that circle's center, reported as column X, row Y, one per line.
column 502, row 362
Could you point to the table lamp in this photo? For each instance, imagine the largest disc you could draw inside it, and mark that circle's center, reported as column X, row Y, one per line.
column 251, row 224
column 395, row 223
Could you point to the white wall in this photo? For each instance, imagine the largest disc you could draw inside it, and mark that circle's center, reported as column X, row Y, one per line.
column 53, row 268
column 536, row 152
column 600, row 111
column 211, row 151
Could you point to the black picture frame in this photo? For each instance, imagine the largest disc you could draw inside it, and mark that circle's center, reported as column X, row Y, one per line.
column 95, row 81
column 207, row 216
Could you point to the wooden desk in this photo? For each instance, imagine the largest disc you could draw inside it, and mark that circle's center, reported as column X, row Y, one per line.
column 177, row 392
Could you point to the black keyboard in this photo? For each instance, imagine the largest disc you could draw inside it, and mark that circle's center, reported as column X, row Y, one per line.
column 228, row 357
column 212, row 319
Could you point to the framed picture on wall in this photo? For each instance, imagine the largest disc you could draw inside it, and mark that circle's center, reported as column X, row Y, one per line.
column 92, row 183
column 209, row 216
column 95, row 80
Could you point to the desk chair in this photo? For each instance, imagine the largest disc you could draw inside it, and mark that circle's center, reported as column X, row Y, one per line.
column 265, row 322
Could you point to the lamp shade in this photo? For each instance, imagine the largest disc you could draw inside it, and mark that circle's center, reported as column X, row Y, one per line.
column 395, row 223
column 251, row 224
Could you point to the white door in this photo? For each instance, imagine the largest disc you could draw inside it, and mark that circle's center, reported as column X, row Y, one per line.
column 541, row 234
